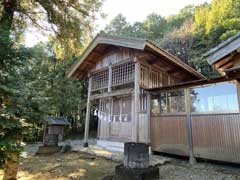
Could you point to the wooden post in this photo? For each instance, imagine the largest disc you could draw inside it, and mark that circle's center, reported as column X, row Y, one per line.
column 87, row 114
column 192, row 159
column 238, row 92
column 149, row 115
column 110, row 78
column 136, row 100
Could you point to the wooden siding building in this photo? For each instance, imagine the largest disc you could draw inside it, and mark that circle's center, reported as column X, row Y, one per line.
column 118, row 71
column 207, row 124
column 145, row 94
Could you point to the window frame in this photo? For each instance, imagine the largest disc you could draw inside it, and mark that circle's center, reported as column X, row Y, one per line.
column 216, row 112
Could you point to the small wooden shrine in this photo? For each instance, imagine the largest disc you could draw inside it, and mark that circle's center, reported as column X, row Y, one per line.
column 54, row 130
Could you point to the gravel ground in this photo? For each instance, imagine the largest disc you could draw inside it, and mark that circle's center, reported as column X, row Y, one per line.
column 84, row 167
column 182, row 170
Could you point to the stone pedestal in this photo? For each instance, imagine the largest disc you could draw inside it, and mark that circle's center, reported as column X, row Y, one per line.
column 149, row 173
column 136, row 155
column 136, row 163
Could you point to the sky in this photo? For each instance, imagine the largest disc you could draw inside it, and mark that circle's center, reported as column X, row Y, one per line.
column 133, row 10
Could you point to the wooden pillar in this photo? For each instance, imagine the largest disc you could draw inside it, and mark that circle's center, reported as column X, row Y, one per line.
column 192, row 159
column 110, row 78
column 149, row 115
column 87, row 114
column 136, row 100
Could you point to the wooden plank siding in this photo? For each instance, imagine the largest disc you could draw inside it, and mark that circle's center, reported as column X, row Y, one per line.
column 169, row 134
column 215, row 136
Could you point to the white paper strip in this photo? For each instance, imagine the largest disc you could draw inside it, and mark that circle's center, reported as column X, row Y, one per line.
column 109, row 118
column 95, row 112
column 126, row 118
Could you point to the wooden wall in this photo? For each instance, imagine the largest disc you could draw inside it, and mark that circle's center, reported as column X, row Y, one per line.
column 215, row 136
column 143, row 128
column 169, row 134
column 116, row 56
column 56, row 129
column 150, row 76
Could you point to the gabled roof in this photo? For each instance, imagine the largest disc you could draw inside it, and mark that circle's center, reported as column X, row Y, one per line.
column 134, row 43
column 52, row 120
column 223, row 49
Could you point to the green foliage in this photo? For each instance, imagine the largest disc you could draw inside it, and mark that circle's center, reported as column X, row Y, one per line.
column 188, row 34
column 10, row 137
column 119, row 26
column 10, row 96
column 33, row 85
column 32, row 80
column 70, row 21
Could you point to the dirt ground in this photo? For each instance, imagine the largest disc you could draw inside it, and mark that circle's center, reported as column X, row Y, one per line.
column 80, row 166
column 68, row 166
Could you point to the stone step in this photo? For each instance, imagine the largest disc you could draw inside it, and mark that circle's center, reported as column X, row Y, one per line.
column 110, row 145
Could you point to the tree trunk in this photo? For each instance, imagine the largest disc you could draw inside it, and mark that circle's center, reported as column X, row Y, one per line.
column 9, row 7
column 11, row 169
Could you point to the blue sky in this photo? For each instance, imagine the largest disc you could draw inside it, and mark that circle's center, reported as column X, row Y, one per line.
column 133, row 10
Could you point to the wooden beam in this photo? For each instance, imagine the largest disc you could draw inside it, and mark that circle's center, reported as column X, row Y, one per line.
column 89, row 63
column 113, row 93
column 190, row 84
column 86, row 132
column 220, row 63
column 226, row 66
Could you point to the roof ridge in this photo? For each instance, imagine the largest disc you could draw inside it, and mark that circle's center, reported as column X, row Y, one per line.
column 101, row 34
column 222, row 44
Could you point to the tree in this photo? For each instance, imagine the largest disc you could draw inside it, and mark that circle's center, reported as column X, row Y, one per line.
column 176, row 21
column 10, row 112
column 24, row 75
column 69, row 20
column 119, row 26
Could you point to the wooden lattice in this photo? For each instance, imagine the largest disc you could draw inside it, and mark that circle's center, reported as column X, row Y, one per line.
column 100, row 80
column 144, row 76
column 155, row 79
column 123, row 73
column 165, row 80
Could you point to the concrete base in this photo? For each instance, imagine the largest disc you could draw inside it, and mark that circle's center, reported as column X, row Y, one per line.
column 48, row 149
column 150, row 173
column 111, row 145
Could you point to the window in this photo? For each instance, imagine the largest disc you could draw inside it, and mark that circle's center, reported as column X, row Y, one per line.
column 169, row 102
column 220, row 97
